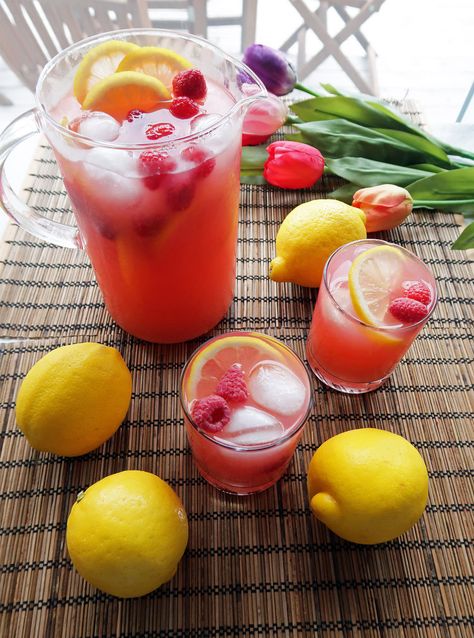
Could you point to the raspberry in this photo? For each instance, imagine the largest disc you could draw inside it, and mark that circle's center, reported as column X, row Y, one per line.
column 161, row 129
column 204, row 164
column 183, row 108
column 190, row 83
column 211, row 413
column 134, row 114
column 155, row 164
column 417, row 290
column 232, row 386
column 408, row 310
column 180, row 195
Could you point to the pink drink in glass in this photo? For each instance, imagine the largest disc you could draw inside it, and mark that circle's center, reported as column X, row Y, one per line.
column 251, row 452
column 343, row 351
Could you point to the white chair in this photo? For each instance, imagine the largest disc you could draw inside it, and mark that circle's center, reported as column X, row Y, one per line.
column 33, row 31
column 316, row 21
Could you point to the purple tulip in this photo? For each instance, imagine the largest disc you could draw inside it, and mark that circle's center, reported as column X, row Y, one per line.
column 272, row 67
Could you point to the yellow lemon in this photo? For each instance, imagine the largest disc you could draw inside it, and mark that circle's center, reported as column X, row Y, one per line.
column 98, row 63
column 119, row 93
column 158, row 62
column 74, row 398
column 127, row 533
column 368, row 486
column 308, row 236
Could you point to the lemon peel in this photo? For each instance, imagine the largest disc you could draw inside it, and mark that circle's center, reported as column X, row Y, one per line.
column 367, row 485
column 127, row 533
column 307, row 237
column 74, row 398
column 119, row 93
column 98, row 63
column 158, row 62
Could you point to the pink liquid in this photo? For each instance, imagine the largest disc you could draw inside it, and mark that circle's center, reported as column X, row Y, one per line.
column 342, row 351
column 162, row 244
column 253, row 451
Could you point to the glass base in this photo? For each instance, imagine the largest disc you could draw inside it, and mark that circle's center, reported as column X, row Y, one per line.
column 341, row 385
column 236, row 490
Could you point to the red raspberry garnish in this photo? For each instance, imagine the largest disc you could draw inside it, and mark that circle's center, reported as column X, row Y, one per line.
column 419, row 291
column 232, row 386
column 155, row 164
column 184, row 108
column 211, row 413
column 161, row 129
column 201, row 158
column 134, row 114
column 190, row 83
column 408, row 310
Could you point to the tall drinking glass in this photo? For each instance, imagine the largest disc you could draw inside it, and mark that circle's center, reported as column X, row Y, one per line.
column 350, row 354
column 162, row 246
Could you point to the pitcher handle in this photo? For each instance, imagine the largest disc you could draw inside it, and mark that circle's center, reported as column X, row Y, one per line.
column 22, row 128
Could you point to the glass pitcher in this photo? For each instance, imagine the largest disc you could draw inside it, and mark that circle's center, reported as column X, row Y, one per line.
column 162, row 246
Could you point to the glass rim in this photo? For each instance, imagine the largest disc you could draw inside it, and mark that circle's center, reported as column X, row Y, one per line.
column 384, row 329
column 82, row 139
column 257, row 447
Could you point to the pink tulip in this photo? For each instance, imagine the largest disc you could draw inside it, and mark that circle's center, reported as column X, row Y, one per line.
column 263, row 118
column 385, row 206
column 293, row 165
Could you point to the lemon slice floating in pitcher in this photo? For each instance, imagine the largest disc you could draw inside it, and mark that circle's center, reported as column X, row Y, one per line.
column 372, row 277
column 98, row 63
column 119, row 93
column 156, row 62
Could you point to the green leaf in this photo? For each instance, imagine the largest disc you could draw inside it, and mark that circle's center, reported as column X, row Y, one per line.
column 465, row 239
column 430, row 168
column 253, row 157
column 464, row 206
column 450, row 188
column 420, row 143
column 366, row 172
column 340, row 138
column 330, row 89
column 252, row 177
column 345, row 193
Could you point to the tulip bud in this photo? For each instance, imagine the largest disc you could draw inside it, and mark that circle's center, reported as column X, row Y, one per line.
column 385, row 206
column 293, row 165
column 272, row 67
column 263, row 118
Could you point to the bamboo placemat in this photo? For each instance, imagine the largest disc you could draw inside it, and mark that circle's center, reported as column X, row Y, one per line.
column 256, row 566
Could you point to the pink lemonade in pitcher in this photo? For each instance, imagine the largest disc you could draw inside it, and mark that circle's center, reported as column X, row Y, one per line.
column 374, row 299
column 245, row 397
column 152, row 171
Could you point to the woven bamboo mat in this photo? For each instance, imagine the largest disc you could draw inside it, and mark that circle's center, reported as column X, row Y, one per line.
column 256, row 566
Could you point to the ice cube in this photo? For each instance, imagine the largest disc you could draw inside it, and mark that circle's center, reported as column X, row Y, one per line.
column 114, row 172
column 275, row 387
column 251, row 426
column 99, row 127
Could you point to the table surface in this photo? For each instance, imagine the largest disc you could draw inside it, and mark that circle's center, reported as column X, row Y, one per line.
column 257, row 566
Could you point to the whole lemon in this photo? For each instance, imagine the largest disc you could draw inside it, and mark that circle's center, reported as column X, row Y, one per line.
column 74, row 398
column 127, row 533
column 309, row 234
column 368, row 486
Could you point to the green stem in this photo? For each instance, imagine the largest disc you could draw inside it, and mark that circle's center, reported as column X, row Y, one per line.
column 301, row 87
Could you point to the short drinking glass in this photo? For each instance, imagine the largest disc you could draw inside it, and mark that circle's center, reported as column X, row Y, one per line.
column 261, row 426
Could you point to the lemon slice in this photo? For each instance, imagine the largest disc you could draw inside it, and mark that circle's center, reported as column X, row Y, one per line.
column 155, row 61
column 119, row 93
column 372, row 277
column 98, row 63
column 216, row 359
